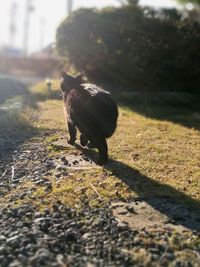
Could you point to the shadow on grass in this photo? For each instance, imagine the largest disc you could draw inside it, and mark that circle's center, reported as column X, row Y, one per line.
column 177, row 107
column 175, row 204
column 154, row 193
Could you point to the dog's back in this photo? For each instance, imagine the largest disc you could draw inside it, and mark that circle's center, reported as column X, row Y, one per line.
column 92, row 110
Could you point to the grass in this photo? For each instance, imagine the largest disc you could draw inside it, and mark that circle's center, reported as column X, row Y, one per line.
column 42, row 92
column 179, row 108
column 150, row 157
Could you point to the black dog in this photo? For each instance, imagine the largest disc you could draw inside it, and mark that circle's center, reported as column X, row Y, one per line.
column 92, row 111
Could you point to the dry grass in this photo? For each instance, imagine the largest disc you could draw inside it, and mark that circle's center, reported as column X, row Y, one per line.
column 149, row 158
column 153, row 157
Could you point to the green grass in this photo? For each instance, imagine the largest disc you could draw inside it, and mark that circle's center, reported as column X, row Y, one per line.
column 41, row 92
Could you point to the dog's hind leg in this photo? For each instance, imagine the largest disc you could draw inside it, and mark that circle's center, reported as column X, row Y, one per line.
column 72, row 132
column 102, row 147
column 83, row 140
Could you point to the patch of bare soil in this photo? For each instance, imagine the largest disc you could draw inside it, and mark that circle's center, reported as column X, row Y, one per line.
column 76, row 161
column 82, row 160
column 156, row 213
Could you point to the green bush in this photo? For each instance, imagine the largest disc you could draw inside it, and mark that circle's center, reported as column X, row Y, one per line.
column 141, row 49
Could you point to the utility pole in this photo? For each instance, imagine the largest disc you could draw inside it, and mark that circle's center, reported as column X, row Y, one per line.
column 28, row 10
column 42, row 32
column 12, row 26
column 69, row 6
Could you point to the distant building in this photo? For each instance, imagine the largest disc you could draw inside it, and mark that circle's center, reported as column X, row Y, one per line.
column 10, row 51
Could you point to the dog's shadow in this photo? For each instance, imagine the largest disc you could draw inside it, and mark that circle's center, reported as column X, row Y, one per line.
column 89, row 153
column 185, row 211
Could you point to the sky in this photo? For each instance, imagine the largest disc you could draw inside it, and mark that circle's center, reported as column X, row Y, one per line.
column 48, row 13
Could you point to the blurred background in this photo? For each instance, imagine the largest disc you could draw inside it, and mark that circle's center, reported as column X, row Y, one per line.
column 151, row 44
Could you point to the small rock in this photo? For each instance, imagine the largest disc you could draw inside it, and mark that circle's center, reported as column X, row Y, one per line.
column 2, row 238
column 122, row 226
column 86, row 236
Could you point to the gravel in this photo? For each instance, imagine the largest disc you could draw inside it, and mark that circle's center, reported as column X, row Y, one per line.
column 63, row 236
column 90, row 237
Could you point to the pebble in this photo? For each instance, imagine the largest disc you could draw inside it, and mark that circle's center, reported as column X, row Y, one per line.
column 2, row 238
column 122, row 226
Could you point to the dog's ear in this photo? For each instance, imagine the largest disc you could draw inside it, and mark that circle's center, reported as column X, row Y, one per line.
column 63, row 74
column 79, row 78
column 66, row 76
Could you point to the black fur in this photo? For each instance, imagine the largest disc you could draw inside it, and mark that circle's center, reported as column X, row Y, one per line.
column 92, row 111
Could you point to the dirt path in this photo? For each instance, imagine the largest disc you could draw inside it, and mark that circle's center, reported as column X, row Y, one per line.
column 26, row 80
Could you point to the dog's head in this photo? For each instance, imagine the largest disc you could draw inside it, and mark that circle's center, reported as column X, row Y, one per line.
column 69, row 82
